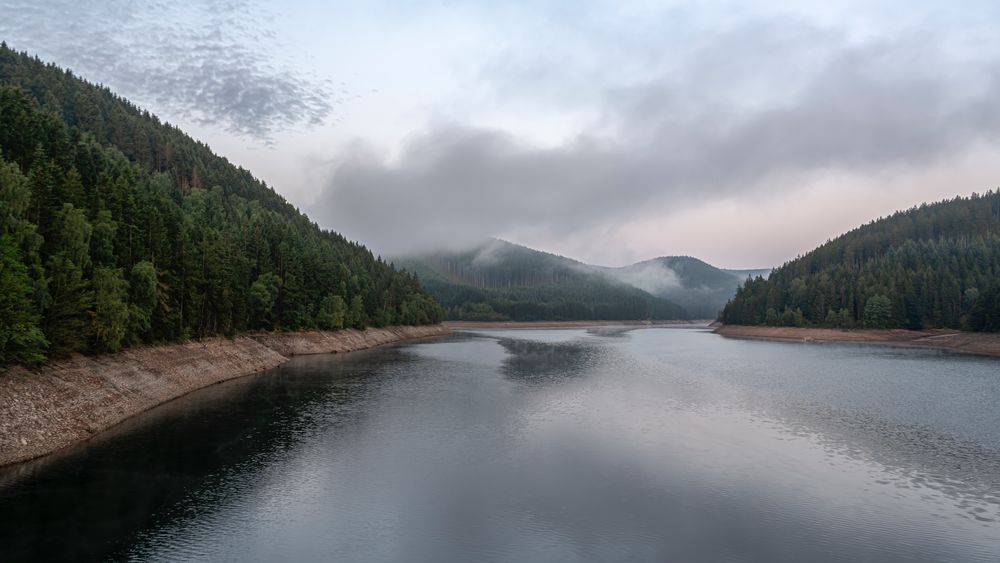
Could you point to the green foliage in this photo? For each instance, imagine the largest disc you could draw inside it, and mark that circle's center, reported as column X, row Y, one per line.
column 925, row 267
column 792, row 317
column 846, row 320
column 700, row 288
column 504, row 281
column 832, row 319
column 111, row 310
column 263, row 296
column 470, row 311
column 125, row 230
column 771, row 318
column 332, row 312
column 142, row 300
column 102, row 244
column 984, row 314
column 67, row 309
column 21, row 339
column 878, row 312
column 356, row 317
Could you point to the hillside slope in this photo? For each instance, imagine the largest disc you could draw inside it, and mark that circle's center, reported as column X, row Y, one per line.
column 498, row 280
column 117, row 229
column 933, row 266
column 699, row 287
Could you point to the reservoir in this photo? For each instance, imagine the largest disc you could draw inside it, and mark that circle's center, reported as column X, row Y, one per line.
column 604, row 444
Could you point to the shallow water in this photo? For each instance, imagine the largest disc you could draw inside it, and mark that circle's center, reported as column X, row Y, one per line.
column 557, row 445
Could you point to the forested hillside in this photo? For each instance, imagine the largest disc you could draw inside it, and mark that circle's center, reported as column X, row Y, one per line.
column 117, row 229
column 932, row 266
column 699, row 287
column 502, row 281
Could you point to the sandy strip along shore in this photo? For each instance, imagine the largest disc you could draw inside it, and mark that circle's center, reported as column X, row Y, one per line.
column 566, row 324
column 981, row 343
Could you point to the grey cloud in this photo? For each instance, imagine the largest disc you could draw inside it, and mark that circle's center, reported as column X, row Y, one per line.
column 209, row 63
column 676, row 141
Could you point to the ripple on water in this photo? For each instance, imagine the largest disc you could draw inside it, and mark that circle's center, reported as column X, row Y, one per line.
column 644, row 445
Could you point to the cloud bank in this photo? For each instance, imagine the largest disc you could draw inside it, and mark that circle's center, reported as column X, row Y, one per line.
column 682, row 137
column 211, row 63
column 608, row 131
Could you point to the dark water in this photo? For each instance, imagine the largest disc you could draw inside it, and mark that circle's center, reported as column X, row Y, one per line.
column 550, row 445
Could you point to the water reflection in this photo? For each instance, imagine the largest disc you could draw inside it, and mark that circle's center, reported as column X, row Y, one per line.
column 577, row 445
column 542, row 363
column 95, row 498
column 893, row 410
column 952, row 472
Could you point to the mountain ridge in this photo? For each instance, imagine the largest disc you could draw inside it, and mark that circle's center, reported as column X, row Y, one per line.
column 463, row 278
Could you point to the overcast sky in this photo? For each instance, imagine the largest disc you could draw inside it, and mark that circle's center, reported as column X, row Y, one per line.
column 743, row 133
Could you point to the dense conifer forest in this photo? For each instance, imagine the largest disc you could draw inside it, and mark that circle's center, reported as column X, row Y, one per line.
column 499, row 281
column 934, row 266
column 117, row 229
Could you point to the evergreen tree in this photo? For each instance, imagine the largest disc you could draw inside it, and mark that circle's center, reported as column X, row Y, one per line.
column 111, row 311
column 126, row 230
column 878, row 312
column 332, row 312
column 930, row 263
column 67, row 323
column 142, row 301
column 21, row 339
column 985, row 310
column 263, row 297
column 356, row 317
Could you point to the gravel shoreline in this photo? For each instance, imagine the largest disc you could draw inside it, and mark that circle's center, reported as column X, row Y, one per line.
column 69, row 401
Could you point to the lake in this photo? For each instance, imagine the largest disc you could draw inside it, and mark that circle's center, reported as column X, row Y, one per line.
column 608, row 444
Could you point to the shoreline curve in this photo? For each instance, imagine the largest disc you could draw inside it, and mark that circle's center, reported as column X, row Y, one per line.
column 977, row 343
column 69, row 401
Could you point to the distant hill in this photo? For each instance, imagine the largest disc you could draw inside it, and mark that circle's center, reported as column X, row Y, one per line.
column 699, row 287
column 501, row 280
column 498, row 280
column 931, row 266
column 117, row 229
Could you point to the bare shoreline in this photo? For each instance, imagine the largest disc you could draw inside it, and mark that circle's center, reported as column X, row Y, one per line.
column 69, row 401
column 978, row 343
column 458, row 325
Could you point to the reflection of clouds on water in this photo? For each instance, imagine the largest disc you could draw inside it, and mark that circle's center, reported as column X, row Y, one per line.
column 950, row 471
column 544, row 445
column 598, row 502
column 921, row 422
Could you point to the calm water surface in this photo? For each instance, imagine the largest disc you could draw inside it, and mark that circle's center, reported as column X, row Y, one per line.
column 667, row 444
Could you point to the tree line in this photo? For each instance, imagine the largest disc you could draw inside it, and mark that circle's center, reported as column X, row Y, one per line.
column 117, row 230
column 501, row 281
column 932, row 266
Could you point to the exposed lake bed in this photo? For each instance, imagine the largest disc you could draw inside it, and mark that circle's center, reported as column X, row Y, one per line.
column 609, row 443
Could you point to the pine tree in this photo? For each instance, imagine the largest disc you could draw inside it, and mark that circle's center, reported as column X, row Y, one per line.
column 878, row 312
column 111, row 311
column 21, row 339
column 356, row 317
column 332, row 312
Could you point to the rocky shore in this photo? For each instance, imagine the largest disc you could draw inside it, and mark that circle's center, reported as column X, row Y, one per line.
column 70, row 400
